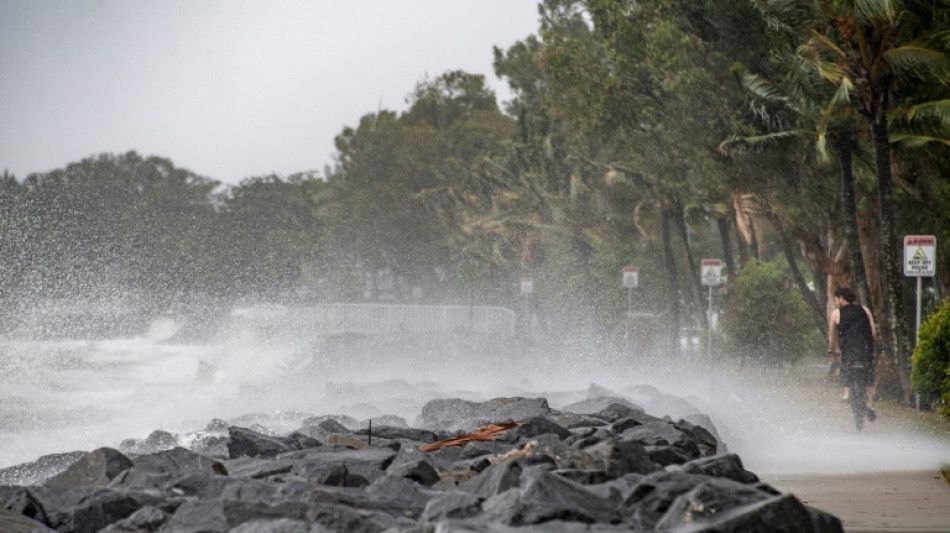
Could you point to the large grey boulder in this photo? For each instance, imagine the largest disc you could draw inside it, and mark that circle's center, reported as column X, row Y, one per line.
column 544, row 496
column 17, row 523
column 452, row 505
column 94, row 469
column 38, row 471
column 247, row 442
column 341, row 467
column 723, row 506
column 455, row 413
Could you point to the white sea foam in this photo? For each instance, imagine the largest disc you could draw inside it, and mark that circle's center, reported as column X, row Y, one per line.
column 60, row 396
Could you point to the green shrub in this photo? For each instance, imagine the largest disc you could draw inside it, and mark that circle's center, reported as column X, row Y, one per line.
column 930, row 364
column 764, row 320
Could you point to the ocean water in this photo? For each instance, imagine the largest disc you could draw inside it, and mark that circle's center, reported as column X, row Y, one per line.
column 72, row 394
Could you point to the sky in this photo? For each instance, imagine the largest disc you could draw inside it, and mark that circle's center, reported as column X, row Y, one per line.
column 228, row 89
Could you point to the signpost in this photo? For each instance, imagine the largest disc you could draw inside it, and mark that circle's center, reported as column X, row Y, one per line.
column 711, row 276
column 631, row 275
column 527, row 285
column 920, row 260
column 631, row 280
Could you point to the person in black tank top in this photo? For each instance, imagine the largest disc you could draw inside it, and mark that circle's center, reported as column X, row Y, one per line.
column 851, row 333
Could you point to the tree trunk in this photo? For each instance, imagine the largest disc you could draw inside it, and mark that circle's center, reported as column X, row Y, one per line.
column 817, row 311
column 692, row 270
column 672, row 337
column 893, row 290
column 727, row 255
column 869, row 233
column 742, row 235
column 846, row 144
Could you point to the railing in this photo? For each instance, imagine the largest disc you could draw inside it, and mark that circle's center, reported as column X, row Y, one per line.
column 383, row 319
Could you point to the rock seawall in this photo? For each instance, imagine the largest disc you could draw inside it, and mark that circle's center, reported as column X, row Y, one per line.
column 599, row 465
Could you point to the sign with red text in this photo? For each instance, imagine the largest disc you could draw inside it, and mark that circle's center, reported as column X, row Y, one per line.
column 631, row 275
column 920, row 255
column 711, row 272
column 527, row 285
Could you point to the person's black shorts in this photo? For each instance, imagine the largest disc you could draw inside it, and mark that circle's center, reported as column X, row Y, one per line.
column 857, row 374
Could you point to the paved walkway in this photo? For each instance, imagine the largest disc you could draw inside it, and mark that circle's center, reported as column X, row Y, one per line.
column 913, row 501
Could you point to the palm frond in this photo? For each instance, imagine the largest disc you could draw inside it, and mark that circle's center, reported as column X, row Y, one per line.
column 842, row 96
column 916, row 141
column 761, row 87
column 870, row 11
column 828, row 70
column 737, row 145
column 916, row 60
column 791, row 16
column 938, row 110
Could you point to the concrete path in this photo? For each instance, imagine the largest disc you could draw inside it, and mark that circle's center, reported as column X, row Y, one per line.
column 910, row 502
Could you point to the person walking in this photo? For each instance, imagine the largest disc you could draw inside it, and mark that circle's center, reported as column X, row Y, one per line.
column 851, row 337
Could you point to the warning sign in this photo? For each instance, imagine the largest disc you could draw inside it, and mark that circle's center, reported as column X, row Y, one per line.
column 630, row 277
column 920, row 255
column 527, row 285
column 711, row 272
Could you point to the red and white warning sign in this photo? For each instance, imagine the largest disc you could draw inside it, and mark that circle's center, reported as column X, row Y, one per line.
column 631, row 275
column 711, row 272
column 527, row 285
column 920, row 255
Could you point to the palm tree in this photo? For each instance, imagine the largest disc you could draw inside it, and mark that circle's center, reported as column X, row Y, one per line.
column 869, row 49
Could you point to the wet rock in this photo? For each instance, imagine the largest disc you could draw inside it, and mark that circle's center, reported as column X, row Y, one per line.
column 152, row 472
column 614, row 469
column 157, row 441
column 618, row 457
column 727, row 465
column 217, row 426
column 597, row 404
column 703, row 431
column 478, row 448
column 571, row 420
column 17, row 523
column 346, row 421
column 420, row 472
column 23, row 501
column 721, row 506
column 340, row 465
column 179, row 461
column 494, row 480
column 544, row 496
column 90, row 509
column 37, row 472
column 215, row 446
column 663, row 433
column 534, row 427
column 616, row 411
column 94, row 469
column 330, row 425
column 257, row 468
column 665, row 455
column 393, row 432
column 401, row 492
column 450, row 505
column 246, row 442
column 456, row 413
column 391, row 420
column 145, row 519
column 279, row 525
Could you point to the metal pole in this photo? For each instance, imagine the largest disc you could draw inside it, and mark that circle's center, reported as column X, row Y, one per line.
column 709, row 322
column 917, row 335
column 626, row 321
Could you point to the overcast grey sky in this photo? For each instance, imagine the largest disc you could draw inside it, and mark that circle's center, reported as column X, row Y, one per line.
column 226, row 88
